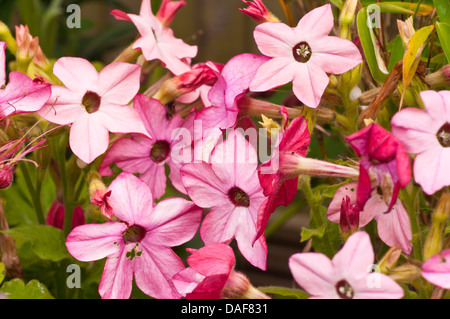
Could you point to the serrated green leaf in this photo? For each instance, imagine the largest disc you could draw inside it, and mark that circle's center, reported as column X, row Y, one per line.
column 16, row 289
column 443, row 31
column 284, row 293
column 47, row 242
column 308, row 233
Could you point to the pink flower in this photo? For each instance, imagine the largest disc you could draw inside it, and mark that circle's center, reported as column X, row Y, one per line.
column 394, row 228
column 56, row 216
column 94, row 103
column 140, row 154
column 21, row 94
column 211, row 275
column 157, row 41
column 168, row 10
column 347, row 276
column 139, row 243
column 303, row 55
column 231, row 85
column 383, row 162
column 437, row 269
column 229, row 185
column 426, row 133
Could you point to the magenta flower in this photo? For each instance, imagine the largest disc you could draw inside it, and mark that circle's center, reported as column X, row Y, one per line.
column 211, row 275
column 347, row 276
column 437, row 269
column 56, row 216
column 383, row 162
column 140, row 154
column 21, row 94
column 394, row 228
column 303, row 55
column 426, row 133
column 94, row 103
column 258, row 11
column 138, row 242
column 229, row 185
column 157, row 41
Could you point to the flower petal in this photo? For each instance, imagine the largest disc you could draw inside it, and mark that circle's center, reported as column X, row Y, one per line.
column 117, row 278
column 437, row 269
column 431, row 169
column 309, row 83
column 275, row 39
column 274, row 73
column 119, row 82
column 77, row 74
column 316, row 23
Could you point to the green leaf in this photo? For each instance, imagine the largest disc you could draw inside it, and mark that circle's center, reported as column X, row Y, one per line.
column 47, row 242
column 397, row 52
column 16, row 289
column 284, row 293
column 443, row 31
column 443, row 10
column 308, row 233
column 405, row 8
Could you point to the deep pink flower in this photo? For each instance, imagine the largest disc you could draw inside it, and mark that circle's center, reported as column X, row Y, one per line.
column 140, row 154
column 94, row 103
column 258, row 11
column 383, row 162
column 21, row 94
column 426, row 133
column 139, row 242
column 168, row 10
column 229, row 185
column 56, row 216
column 347, row 276
column 303, row 55
column 280, row 188
column 157, row 41
column 394, row 228
column 437, row 269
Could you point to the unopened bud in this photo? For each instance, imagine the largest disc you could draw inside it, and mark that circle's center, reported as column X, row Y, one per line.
column 6, row 176
column 258, row 12
column 238, row 286
column 349, row 218
column 406, row 30
column 390, row 259
column 346, row 17
column 440, row 78
column 99, row 194
column 435, row 237
column 405, row 273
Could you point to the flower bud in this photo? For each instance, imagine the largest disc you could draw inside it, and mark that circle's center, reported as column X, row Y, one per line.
column 440, row 78
column 406, row 30
column 435, row 236
column 238, row 287
column 349, row 218
column 346, row 17
column 99, row 194
column 405, row 273
column 56, row 216
column 258, row 12
column 390, row 259
column 6, row 176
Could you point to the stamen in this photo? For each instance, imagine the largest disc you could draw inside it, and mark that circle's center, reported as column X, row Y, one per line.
column 238, row 197
column 302, row 52
column 443, row 135
column 344, row 290
column 160, row 151
column 91, row 102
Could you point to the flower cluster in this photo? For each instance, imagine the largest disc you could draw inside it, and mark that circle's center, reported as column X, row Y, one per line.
column 157, row 154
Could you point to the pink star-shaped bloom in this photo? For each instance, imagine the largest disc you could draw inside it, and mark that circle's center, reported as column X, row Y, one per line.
column 94, row 103
column 426, row 133
column 229, row 185
column 383, row 162
column 437, row 269
column 140, row 154
column 157, row 41
column 394, row 227
column 347, row 276
column 21, row 94
column 303, row 55
column 138, row 242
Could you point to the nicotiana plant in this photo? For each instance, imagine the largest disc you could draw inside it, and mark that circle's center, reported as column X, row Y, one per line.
column 158, row 175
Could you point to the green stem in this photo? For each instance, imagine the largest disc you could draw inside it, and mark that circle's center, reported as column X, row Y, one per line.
column 35, row 193
column 410, row 202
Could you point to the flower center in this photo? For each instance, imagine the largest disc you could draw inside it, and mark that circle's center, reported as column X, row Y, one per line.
column 302, row 52
column 133, row 234
column 238, row 197
column 443, row 135
column 160, row 151
column 344, row 290
column 91, row 102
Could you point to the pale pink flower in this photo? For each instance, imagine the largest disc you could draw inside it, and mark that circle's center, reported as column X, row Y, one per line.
column 394, row 227
column 426, row 133
column 21, row 94
column 94, row 103
column 229, row 185
column 157, row 41
column 138, row 242
column 347, row 276
column 140, row 154
column 437, row 269
column 303, row 55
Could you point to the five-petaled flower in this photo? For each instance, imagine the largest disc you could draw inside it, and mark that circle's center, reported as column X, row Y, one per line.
column 138, row 242
column 303, row 55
